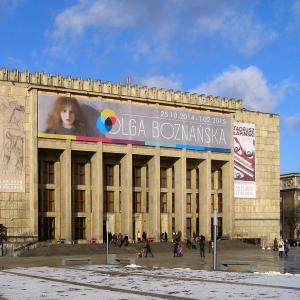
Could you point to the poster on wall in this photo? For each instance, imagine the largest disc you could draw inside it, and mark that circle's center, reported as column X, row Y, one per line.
column 244, row 160
column 81, row 119
column 12, row 145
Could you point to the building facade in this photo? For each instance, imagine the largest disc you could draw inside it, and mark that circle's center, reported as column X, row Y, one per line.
column 143, row 159
column 290, row 205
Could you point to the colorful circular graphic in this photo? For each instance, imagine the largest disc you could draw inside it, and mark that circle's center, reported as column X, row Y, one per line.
column 106, row 120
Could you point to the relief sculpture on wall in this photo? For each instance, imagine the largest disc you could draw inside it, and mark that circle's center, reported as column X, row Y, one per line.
column 12, row 147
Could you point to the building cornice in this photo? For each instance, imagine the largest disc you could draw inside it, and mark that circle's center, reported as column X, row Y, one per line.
column 136, row 92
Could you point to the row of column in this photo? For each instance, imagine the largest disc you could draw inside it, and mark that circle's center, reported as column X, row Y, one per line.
column 96, row 215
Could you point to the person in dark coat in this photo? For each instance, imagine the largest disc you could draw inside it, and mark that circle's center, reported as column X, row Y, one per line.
column 286, row 247
column 175, row 246
column 148, row 249
column 202, row 245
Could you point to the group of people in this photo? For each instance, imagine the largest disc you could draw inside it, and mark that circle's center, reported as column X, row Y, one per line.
column 118, row 239
column 164, row 237
column 282, row 246
column 141, row 237
column 144, row 251
column 201, row 240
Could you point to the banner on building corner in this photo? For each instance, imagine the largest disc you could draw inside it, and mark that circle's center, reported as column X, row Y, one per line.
column 244, row 160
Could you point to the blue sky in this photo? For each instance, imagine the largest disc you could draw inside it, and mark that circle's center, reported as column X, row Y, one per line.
column 241, row 49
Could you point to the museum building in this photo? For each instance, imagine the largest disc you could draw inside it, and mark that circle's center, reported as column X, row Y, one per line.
column 78, row 154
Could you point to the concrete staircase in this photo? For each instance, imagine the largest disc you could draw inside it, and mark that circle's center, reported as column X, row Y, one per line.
column 89, row 249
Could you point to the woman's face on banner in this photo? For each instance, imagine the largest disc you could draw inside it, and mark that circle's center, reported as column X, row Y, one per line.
column 67, row 117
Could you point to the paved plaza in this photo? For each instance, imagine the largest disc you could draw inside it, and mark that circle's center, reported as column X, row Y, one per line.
column 266, row 260
column 161, row 277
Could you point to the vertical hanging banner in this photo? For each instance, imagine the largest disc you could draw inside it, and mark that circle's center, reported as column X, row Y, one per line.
column 244, row 160
column 12, row 145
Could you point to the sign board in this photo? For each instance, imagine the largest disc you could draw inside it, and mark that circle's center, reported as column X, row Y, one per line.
column 244, row 160
column 128, row 123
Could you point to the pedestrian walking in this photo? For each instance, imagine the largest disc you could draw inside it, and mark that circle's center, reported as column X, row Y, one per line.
column 202, row 245
column 275, row 244
column 210, row 246
column 139, row 237
column 175, row 245
column 148, row 249
column 286, row 247
column 281, row 247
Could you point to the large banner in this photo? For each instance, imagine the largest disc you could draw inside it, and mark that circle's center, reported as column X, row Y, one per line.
column 12, row 144
column 244, row 160
column 123, row 122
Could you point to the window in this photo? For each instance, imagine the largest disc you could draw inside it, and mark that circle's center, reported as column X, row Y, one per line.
column 188, row 227
column 163, row 177
column 147, row 176
column 188, row 203
column 220, row 227
column 40, row 201
column 79, row 228
column 173, row 177
column 147, row 202
column 212, row 203
column 136, row 202
column 212, row 180
column 173, row 225
column 109, row 175
column 120, row 202
column 120, row 177
column 49, row 228
column 40, row 172
column 188, row 178
column 48, row 172
column 49, row 200
column 197, row 179
column 163, row 203
column 79, row 173
column 79, row 201
column 137, row 176
column 108, row 203
column 197, row 226
column 220, row 203
column 173, row 203
column 219, row 178
column 197, row 203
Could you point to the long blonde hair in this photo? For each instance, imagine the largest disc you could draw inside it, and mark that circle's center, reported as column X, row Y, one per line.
column 54, row 121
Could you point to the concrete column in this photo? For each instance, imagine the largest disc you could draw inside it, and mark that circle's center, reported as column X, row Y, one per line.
column 126, row 179
column 180, row 194
column 227, row 196
column 154, row 195
column 66, row 194
column 97, row 194
column 204, row 197
column 32, row 103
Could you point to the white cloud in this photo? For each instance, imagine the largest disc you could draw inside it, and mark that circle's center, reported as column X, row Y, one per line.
column 248, row 84
column 236, row 29
column 171, row 82
column 159, row 22
column 292, row 123
column 74, row 20
column 296, row 9
column 7, row 7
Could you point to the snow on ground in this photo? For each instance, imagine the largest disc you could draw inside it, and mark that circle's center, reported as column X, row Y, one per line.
column 134, row 282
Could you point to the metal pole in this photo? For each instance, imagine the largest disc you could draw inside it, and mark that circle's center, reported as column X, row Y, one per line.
column 107, row 242
column 215, row 240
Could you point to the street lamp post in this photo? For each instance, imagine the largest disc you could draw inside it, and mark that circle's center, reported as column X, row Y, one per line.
column 215, row 223
column 107, row 242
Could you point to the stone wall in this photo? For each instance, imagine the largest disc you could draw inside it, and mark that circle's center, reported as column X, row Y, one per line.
column 260, row 217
